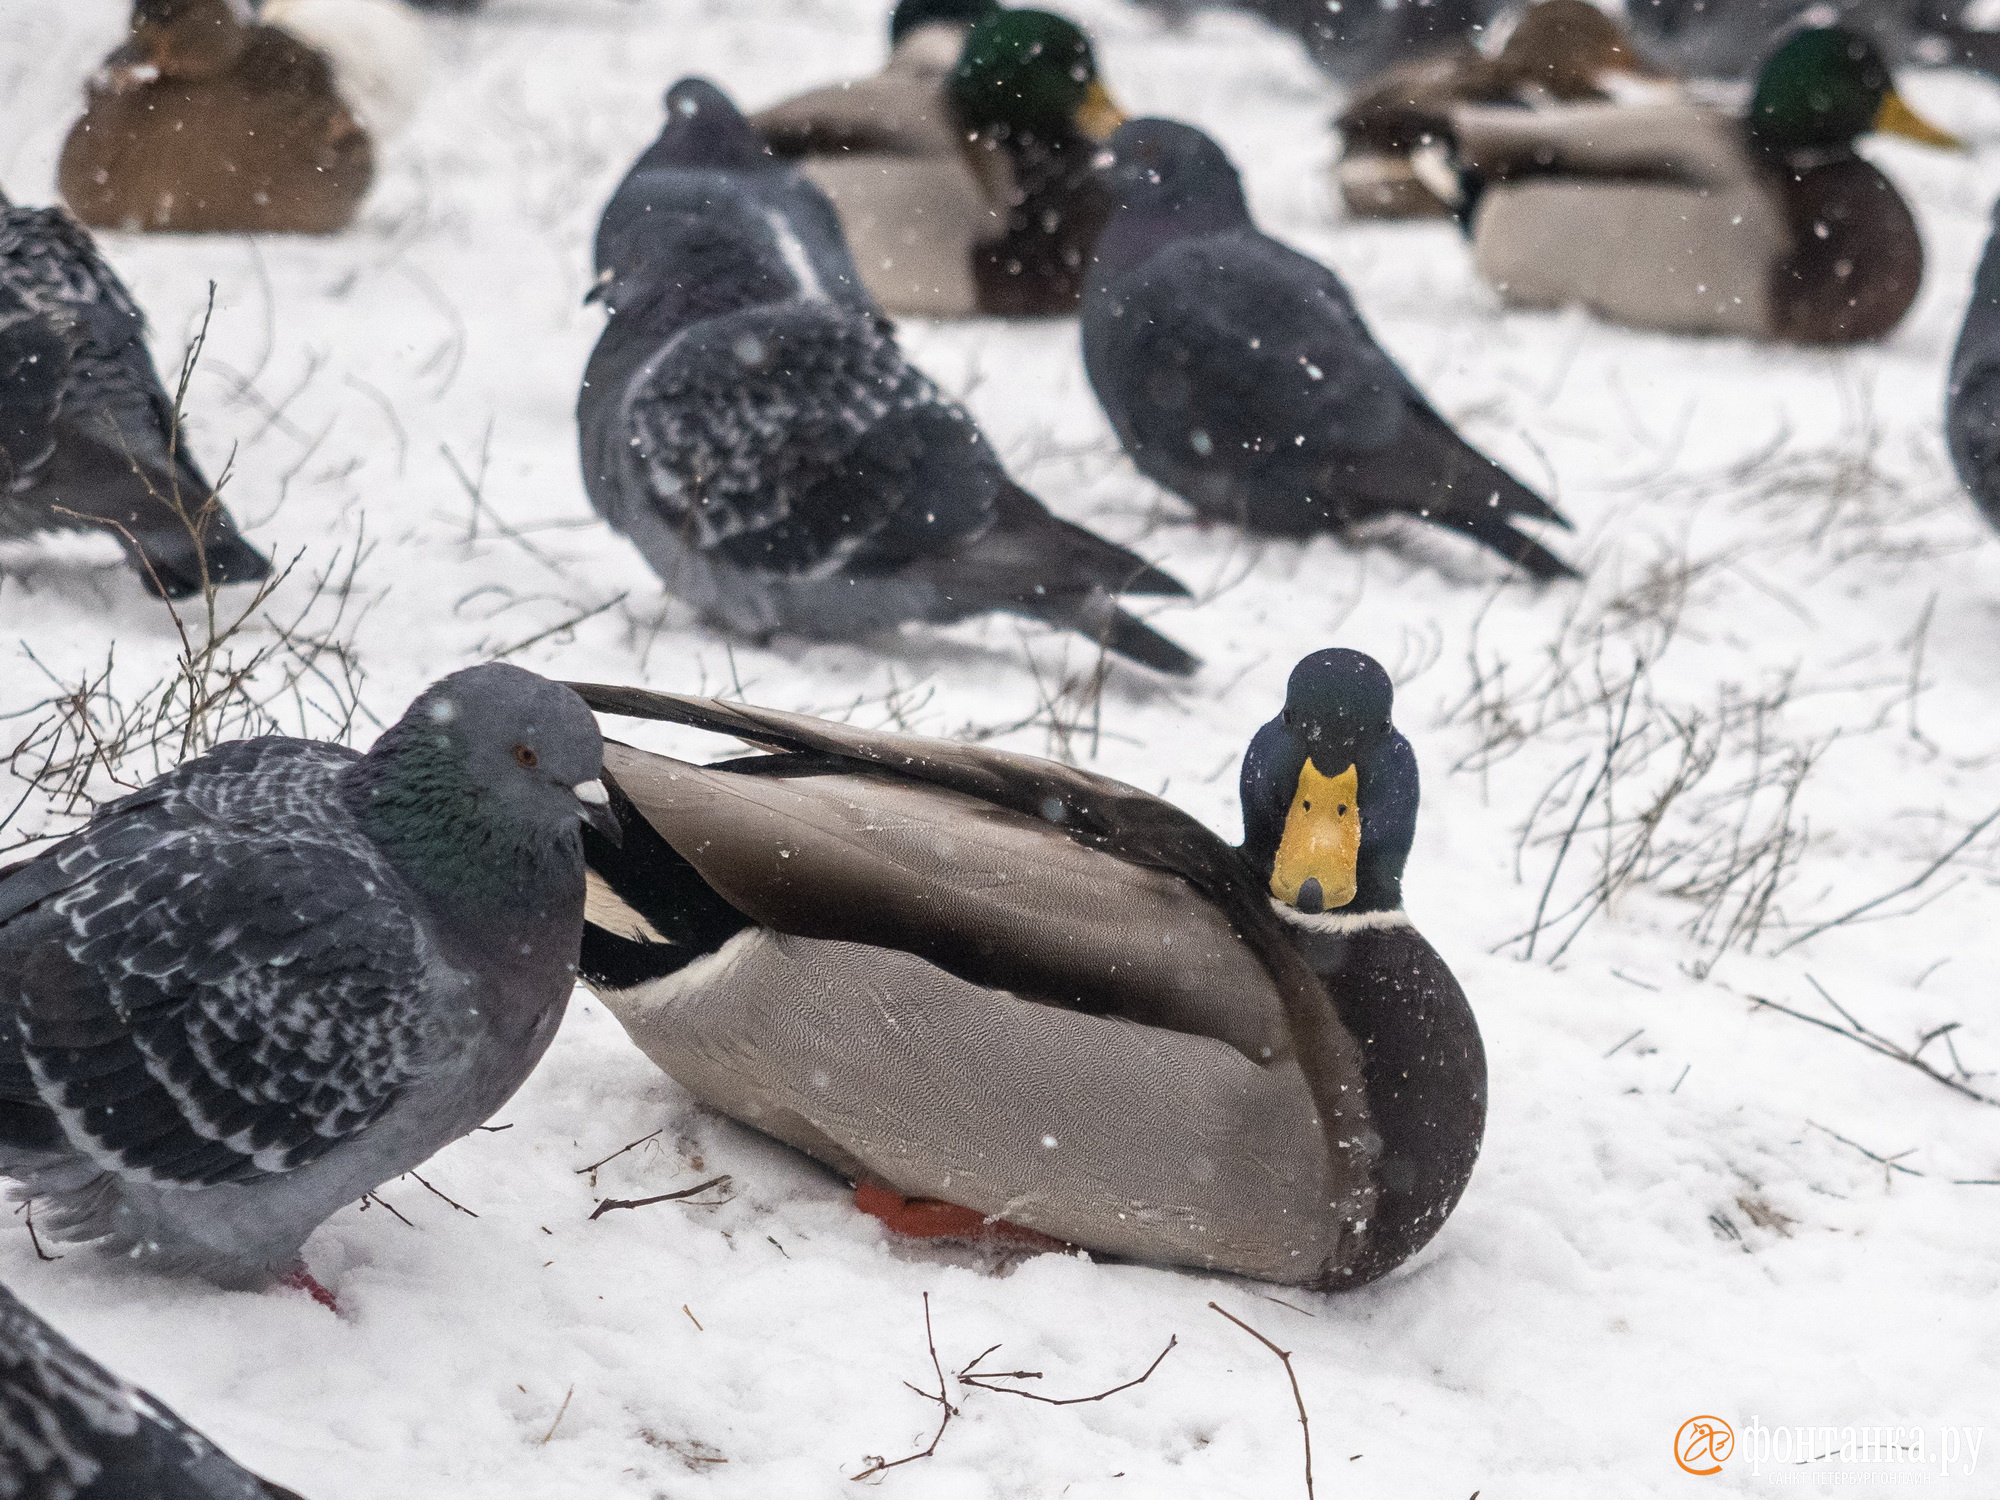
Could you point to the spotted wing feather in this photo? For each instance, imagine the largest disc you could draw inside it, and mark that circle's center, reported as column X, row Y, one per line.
column 224, row 986
column 737, row 422
column 71, row 1430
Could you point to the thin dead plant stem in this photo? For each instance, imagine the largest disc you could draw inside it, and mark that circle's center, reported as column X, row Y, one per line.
column 1298, row 1399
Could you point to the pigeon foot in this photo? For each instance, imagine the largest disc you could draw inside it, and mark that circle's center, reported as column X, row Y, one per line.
column 302, row 1280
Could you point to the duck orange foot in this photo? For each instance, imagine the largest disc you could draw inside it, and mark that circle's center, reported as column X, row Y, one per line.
column 934, row 1219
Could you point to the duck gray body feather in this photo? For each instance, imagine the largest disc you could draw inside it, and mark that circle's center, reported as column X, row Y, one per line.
column 1039, row 994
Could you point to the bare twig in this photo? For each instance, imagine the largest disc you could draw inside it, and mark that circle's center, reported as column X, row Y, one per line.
column 1874, row 1041
column 436, row 1194
column 876, row 1463
column 609, row 1204
column 1902, row 890
column 971, row 1375
column 560, row 1411
column 628, row 1146
column 1284, row 1358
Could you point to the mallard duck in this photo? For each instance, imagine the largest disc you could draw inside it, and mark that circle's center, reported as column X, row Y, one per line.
column 1684, row 218
column 1238, row 373
column 1559, row 51
column 965, row 186
column 985, row 987
column 206, row 120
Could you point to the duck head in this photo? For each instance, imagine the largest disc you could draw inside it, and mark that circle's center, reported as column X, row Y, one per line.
column 1330, row 791
column 1826, row 86
column 909, row 15
column 1569, row 48
column 1030, row 73
column 186, row 39
column 1168, row 182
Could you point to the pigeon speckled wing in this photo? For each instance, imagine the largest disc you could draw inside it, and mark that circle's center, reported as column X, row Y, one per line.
column 220, row 1004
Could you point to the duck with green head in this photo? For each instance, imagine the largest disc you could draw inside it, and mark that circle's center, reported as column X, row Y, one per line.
column 962, row 172
column 1679, row 217
column 991, row 990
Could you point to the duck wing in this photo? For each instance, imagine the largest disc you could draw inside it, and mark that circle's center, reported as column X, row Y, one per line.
column 1094, row 813
column 997, row 898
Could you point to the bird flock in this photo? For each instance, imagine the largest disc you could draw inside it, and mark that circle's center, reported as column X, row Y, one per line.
column 1005, row 999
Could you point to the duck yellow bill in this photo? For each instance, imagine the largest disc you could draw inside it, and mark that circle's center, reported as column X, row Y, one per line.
column 1897, row 118
column 1322, row 841
column 1097, row 117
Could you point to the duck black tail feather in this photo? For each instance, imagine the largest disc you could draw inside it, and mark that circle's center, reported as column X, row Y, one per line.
column 1493, row 528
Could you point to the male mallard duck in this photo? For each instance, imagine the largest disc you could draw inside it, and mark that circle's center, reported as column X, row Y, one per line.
column 1680, row 217
column 967, row 188
column 1559, row 51
column 206, row 120
column 988, row 987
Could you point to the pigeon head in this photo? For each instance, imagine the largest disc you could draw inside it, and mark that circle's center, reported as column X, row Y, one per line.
column 705, row 130
column 1168, row 182
column 1029, row 72
column 490, row 769
column 1329, row 790
column 1823, row 87
column 910, row 14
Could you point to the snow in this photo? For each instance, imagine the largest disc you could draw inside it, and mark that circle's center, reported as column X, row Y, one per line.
column 1658, row 1229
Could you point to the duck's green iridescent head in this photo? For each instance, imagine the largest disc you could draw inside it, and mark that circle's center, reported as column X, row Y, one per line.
column 910, row 14
column 1330, row 790
column 1824, row 87
column 1031, row 72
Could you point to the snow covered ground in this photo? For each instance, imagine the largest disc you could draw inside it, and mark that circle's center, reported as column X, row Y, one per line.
column 1791, row 610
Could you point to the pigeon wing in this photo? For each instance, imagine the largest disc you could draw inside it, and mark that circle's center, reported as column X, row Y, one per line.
column 1225, row 350
column 35, row 355
column 227, row 985
column 69, row 1427
column 733, row 424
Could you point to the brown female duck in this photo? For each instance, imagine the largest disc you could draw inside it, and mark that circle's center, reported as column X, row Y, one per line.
column 206, row 120
column 1560, row 51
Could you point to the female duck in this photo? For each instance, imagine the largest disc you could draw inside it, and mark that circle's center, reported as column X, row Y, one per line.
column 1679, row 217
column 206, row 120
column 1560, row 51
column 964, row 188
column 986, row 987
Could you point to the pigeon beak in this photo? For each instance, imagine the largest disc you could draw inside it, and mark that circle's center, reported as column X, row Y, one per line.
column 600, row 287
column 596, row 810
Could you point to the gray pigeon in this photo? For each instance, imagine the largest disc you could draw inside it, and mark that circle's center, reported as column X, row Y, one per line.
column 71, row 1430
column 1972, row 402
column 87, row 435
column 287, row 972
column 1239, row 375
column 749, row 422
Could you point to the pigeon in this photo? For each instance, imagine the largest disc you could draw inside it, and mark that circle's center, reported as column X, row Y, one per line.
column 1238, row 374
column 72, row 1430
column 749, row 422
column 285, row 972
column 88, row 438
column 1972, row 402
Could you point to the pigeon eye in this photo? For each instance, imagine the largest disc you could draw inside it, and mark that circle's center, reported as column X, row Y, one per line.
column 527, row 757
